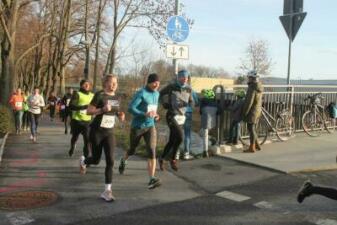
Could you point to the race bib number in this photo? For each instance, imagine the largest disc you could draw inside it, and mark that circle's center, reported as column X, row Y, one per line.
column 18, row 104
column 108, row 121
column 52, row 103
column 113, row 103
column 180, row 119
column 152, row 108
column 84, row 111
column 68, row 102
column 63, row 107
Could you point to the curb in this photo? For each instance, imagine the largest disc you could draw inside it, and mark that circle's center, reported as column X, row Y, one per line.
column 3, row 146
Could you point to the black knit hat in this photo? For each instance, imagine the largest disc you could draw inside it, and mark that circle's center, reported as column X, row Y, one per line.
column 84, row 81
column 153, row 77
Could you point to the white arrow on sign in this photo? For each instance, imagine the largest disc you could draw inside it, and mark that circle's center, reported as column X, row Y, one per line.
column 177, row 51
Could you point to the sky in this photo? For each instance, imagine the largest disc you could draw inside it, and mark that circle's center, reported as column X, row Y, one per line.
column 223, row 28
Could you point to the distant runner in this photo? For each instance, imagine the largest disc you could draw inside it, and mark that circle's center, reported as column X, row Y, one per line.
column 35, row 103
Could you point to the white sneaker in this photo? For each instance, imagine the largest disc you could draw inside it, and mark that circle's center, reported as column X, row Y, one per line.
column 83, row 167
column 31, row 137
column 34, row 139
column 107, row 196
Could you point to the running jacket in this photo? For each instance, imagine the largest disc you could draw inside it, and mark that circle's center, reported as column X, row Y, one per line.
column 138, row 107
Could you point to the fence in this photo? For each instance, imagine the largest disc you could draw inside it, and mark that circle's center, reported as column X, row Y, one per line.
column 293, row 96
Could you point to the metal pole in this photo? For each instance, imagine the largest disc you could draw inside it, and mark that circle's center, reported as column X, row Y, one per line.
column 289, row 60
column 175, row 61
column 87, row 50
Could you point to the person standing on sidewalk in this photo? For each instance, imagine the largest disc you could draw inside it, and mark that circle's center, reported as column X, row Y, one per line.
column 105, row 106
column 188, row 126
column 236, row 117
column 65, row 109
column 80, row 121
column 35, row 103
column 52, row 102
column 16, row 101
column 252, row 108
column 208, row 111
column 175, row 97
column 144, row 107
column 309, row 189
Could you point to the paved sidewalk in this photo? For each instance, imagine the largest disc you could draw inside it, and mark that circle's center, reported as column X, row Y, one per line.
column 299, row 154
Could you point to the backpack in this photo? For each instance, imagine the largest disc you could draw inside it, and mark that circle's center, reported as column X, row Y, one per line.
column 332, row 110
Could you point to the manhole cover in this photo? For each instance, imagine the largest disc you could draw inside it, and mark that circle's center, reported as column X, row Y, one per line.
column 27, row 200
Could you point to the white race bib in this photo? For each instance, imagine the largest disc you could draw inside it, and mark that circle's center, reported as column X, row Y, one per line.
column 108, row 121
column 180, row 119
column 151, row 108
column 52, row 103
column 63, row 107
column 67, row 102
column 84, row 111
column 18, row 104
column 113, row 103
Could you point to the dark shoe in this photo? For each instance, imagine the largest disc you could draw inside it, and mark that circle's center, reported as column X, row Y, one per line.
column 173, row 164
column 304, row 191
column 122, row 165
column 229, row 142
column 161, row 164
column 257, row 146
column 251, row 149
column 205, row 154
column 71, row 151
column 66, row 132
column 154, row 182
column 235, row 142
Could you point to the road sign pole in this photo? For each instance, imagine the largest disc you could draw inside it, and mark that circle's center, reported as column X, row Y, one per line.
column 175, row 61
column 289, row 62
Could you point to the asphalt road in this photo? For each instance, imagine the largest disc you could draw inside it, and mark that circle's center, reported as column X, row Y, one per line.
column 204, row 191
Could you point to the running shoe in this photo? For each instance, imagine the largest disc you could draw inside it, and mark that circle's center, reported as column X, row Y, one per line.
column 34, row 139
column 107, row 196
column 173, row 164
column 83, row 167
column 154, row 182
column 187, row 157
column 161, row 164
column 122, row 164
column 304, row 191
column 31, row 137
column 71, row 151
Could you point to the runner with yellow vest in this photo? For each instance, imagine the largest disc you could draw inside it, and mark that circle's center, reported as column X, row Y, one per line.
column 80, row 119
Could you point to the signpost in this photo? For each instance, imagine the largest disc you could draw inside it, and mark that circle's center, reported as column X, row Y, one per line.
column 292, row 20
column 177, row 51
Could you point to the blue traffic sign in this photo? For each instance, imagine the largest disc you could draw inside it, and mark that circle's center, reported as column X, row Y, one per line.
column 177, row 28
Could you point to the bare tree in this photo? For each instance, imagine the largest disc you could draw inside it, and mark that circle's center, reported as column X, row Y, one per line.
column 256, row 58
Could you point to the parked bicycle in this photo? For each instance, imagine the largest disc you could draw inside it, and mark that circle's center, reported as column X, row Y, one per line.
column 283, row 125
column 317, row 118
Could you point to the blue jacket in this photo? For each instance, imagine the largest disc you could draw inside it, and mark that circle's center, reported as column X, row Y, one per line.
column 139, row 105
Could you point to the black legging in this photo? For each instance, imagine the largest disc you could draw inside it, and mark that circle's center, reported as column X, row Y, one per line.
column 252, row 132
column 175, row 139
column 52, row 112
column 102, row 139
column 328, row 192
column 66, row 115
column 77, row 128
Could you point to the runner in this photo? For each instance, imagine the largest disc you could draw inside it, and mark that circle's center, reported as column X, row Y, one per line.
column 143, row 107
column 52, row 102
column 178, row 97
column 80, row 119
column 25, row 116
column 16, row 101
column 65, row 110
column 35, row 103
column 105, row 105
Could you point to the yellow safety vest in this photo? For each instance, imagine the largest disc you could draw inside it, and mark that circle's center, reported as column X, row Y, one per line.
column 84, row 99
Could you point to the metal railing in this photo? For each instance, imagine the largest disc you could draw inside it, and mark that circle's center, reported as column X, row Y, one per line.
column 292, row 95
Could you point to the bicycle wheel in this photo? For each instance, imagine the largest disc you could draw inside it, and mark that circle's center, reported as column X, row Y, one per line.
column 261, row 130
column 285, row 127
column 330, row 123
column 312, row 123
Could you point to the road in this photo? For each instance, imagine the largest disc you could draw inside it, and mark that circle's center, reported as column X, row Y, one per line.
column 205, row 191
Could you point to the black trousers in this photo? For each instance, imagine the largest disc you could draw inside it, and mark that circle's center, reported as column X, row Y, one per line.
column 175, row 138
column 328, row 192
column 100, row 140
column 77, row 128
column 150, row 138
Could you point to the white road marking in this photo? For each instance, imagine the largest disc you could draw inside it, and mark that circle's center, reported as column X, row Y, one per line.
column 20, row 218
column 232, row 196
column 271, row 207
column 326, row 222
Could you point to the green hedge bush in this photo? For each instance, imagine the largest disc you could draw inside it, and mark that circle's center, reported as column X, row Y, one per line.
column 6, row 119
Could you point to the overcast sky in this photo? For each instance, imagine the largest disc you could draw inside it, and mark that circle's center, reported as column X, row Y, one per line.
column 223, row 28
